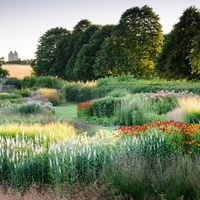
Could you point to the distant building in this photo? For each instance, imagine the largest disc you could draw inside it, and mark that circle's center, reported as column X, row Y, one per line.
column 12, row 56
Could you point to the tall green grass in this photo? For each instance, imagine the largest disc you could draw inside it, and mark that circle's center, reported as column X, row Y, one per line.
column 138, row 167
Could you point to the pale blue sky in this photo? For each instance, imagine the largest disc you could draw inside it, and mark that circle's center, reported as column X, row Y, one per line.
column 23, row 22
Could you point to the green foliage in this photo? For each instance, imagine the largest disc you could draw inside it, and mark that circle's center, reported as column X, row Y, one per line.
column 14, row 81
column 194, row 55
column 138, row 109
column 48, row 82
column 104, row 107
column 84, row 113
column 23, row 92
column 62, row 55
column 53, row 98
column 178, row 57
column 134, row 45
column 140, row 178
column 191, row 117
column 20, row 62
column 118, row 93
column 163, row 102
column 126, row 83
column 84, row 68
column 44, row 64
column 3, row 72
column 102, row 121
column 28, row 82
column 9, row 96
column 74, row 45
column 31, row 107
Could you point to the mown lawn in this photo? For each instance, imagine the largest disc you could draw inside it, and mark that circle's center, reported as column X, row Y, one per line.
column 68, row 112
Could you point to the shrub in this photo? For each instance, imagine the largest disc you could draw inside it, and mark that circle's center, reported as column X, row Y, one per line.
column 132, row 110
column 118, row 93
column 33, row 107
column 49, row 82
column 9, row 96
column 104, row 107
column 53, row 98
column 84, row 109
column 30, row 107
column 163, row 101
column 28, row 82
column 14, row 81
column 23, row 92
column 48, row 94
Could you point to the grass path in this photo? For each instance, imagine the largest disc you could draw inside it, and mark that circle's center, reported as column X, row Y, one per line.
column 69, row 112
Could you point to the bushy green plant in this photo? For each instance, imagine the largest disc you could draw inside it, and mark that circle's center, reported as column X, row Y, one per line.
column 30, row 107
column 48, row 82
column 118, row 93
column 14, row 81
column 163, row 101
column 104, row 107
column 191, row 117
column 9, row 96
column 28, row 82
column 172, row 177
column 23, row 92
column 33, row 107
column 53, row 98
column 103, row 121
column 132, row 109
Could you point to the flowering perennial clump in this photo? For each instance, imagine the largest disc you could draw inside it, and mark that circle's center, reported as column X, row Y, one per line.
column 84, row 104
column 186, row 135
column 165, row 126
column 162, row 94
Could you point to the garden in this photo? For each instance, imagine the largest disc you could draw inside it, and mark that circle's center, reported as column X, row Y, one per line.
column 117, row 138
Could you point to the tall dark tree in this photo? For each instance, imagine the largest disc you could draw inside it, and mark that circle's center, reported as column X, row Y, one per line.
column 84, row 68
column 83, row 39
column 134, row 45
column 63, row 53
column 179, row 56
column 72, row 47
column 45, row 54
column 194, row 56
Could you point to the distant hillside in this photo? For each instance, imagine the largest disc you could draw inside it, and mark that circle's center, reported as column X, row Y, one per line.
column 18, row 71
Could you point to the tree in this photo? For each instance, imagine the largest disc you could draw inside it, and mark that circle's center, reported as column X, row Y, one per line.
column 63, row 53
column 84, row 68
column 134, row 46
column 194, row 56
column 71, row 47
column 44, row 63
column 179, row 57
column 3, row 72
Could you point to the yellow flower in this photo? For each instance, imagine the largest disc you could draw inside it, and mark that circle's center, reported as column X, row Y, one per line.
column 190, row 152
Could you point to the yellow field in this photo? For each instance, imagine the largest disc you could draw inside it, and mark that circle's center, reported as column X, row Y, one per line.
column 18, row 71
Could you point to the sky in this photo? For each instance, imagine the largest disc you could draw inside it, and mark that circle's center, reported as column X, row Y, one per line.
column 23, row 22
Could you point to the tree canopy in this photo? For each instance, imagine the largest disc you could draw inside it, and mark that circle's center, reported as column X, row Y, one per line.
column 134, row 45
column 44, row 64
column 180, row 55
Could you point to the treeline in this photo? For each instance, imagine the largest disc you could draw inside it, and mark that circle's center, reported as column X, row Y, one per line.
column 18, row 62
column 136, row 46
